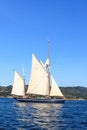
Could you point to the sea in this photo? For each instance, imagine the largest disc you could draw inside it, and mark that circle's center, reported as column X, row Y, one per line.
column 14, row 115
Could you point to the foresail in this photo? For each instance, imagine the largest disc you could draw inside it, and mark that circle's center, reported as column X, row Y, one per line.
column 18, row 85
column 39, row 80
column 55, row 91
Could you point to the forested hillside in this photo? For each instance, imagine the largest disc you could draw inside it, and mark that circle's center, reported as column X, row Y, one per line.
column 77, row 92
column 69, row 92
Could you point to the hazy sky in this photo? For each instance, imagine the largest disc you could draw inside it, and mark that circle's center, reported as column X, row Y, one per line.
column 27, row 25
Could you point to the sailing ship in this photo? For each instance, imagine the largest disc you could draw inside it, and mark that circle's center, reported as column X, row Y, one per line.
column 42, row 86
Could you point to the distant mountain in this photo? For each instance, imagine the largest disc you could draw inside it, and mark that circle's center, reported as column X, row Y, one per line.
column 77, row 92
column 5, row 90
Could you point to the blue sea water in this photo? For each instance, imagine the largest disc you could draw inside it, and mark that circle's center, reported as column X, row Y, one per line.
column 14, row 115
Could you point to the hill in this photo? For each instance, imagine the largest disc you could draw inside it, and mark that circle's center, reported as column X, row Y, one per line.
column 77, row 92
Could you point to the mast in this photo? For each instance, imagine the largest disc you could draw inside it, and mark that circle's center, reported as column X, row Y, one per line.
column 23, row 74
column 24, row 79
column 49, row 65
column 49, row 56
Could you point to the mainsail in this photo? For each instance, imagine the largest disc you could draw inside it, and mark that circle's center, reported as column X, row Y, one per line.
column 18, row 85
column 39, row 79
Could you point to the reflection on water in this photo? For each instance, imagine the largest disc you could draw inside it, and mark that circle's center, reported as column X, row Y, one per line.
column 30, row 116
column 40, row 115
column 46, row 115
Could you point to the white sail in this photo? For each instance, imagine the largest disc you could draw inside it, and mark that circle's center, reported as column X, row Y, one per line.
column 55, row 91
column 39, row 79
column 18, row 85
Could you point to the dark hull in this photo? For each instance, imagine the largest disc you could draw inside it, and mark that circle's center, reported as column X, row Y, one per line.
column 40, row 100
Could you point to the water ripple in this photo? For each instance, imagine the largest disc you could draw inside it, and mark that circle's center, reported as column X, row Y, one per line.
column 26, row 116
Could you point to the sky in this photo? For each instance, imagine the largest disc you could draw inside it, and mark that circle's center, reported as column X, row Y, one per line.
column 26, row 26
